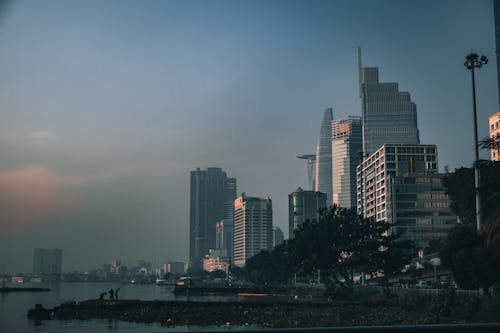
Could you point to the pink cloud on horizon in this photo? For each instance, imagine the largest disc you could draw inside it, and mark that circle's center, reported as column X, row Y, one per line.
column 31, row 195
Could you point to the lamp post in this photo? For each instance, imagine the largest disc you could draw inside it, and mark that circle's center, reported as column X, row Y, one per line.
column 471, row 62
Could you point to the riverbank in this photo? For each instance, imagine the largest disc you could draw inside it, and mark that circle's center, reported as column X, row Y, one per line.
column 408, row 310
column 25, row 289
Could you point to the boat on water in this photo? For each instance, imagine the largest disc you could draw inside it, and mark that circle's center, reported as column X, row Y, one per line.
column 163, row 282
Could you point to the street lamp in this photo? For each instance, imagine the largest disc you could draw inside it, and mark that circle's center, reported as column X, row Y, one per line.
column 472, row 61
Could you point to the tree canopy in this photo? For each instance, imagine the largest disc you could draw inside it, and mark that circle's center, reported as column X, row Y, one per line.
column 336, row 246
column 460, row 188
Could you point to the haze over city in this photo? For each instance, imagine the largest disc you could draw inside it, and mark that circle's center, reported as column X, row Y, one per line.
column 106, row 107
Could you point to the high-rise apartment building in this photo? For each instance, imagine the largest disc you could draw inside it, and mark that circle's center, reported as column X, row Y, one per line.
column 323, row 175
column 303, row 206
column 346, row 149
column 388, row 115
column 253, row 227
column 376, row 174
column 494, row 122
column 211, row 196
column 399, row 184
column 47, row 262
column 278, row 237
column 311, row 169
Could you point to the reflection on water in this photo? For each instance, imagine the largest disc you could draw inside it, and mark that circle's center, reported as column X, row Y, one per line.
column 15, row 305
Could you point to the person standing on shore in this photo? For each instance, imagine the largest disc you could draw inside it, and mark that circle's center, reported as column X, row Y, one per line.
column 111, row 293
column 116, row 293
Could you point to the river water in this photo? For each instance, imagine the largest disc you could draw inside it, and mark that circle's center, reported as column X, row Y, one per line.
column 14, row 307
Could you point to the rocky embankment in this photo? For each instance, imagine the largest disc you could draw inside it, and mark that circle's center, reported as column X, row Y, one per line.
column 264, row 314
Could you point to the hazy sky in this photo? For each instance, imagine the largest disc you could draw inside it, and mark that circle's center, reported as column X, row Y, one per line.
column 105, row 107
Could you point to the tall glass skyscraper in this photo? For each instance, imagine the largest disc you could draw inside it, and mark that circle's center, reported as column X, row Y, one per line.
column 323, row 175
column 346, row 146
column 311, row 169
column 211, row 200
column 388, row 115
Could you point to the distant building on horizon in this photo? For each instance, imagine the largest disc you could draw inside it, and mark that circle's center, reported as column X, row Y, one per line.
column 212, row 195
column 47, row 262
column 278, row 237
column 303, row 206
column 494, row 128
column 323, row 175
column 311, row 169
column 346, row 149
column 253, row 227
column 388, row 115
column 175, row 267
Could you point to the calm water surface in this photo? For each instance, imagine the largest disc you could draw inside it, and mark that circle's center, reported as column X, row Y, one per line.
column 15, row 305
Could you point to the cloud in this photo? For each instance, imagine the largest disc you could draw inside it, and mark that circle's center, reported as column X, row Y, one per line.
column 42, row 138
column 32, row 195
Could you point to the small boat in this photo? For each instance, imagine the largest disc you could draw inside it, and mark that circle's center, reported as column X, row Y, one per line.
column 161, row 282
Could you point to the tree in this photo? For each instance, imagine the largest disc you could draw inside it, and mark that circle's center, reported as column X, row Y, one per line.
column 460, row 188
column 270, row 267
column 491, row 143
column 341, row 242
column 471, row 256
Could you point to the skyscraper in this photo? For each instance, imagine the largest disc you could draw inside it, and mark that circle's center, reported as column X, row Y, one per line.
column 253, row 227
column 323, row 175
column 47, row 262
column 278, row 236
column 399, row 184
column 377, row 174
column 211, row 197
column 388, row 115
column 346, row 146
column 303, row 206
column 311, row 169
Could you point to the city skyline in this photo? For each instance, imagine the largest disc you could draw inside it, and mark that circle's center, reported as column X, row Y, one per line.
column 107, row 111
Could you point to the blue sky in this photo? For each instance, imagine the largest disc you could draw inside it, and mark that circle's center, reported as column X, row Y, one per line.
column 112, row 103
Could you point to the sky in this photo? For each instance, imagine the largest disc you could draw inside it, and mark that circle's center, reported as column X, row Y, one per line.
column 106, row 106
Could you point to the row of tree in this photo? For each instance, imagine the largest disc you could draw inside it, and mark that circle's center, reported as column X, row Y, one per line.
column 341, row 243
column 337, row 246
column 473, row 255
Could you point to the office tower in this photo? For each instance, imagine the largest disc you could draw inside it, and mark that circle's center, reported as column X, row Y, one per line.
column 253, row 227
column 323, row 175
column 278, row 237
column 231, row 195
column 346, row 149
column 47, row 262
column 224, row 231
column 494, row 121
column 210, row 197
column 311, row 169
column 421, row 208
column 176, row 267
column 303, row 206
column 399, row 184
column 388, row 115
column 375, row 175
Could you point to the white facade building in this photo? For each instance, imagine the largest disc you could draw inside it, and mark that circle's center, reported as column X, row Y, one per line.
column 253, row 227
